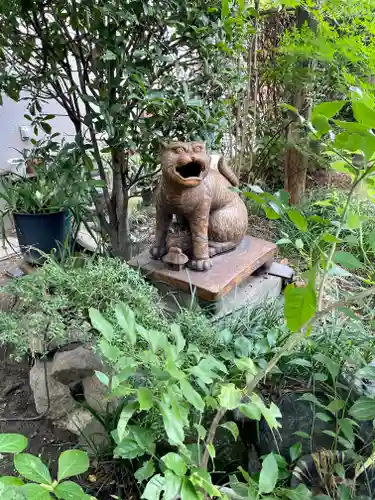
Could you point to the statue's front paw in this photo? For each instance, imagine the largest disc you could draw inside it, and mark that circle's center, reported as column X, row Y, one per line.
column 158, row 252
column 200, row 264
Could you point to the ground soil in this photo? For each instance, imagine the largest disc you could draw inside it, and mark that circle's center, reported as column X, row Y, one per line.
column 16, row 401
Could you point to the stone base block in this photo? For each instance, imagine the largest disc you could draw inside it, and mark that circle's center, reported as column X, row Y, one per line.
column 254, row 290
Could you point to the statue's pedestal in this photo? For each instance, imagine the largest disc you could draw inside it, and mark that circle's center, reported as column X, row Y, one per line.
column 228, row 285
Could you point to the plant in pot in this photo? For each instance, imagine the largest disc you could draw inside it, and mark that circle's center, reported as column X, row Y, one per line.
column 42, row 203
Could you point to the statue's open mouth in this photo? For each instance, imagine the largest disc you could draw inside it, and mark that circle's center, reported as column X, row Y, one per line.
column 192, row 169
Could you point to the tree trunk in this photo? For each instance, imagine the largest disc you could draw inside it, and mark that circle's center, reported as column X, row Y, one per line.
column 118, row 213
column 295, row 162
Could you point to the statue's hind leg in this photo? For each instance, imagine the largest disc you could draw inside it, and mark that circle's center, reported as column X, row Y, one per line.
column 227, row 226
column 216, row 248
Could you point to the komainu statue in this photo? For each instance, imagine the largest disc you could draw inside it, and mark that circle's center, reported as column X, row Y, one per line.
column 200, row 195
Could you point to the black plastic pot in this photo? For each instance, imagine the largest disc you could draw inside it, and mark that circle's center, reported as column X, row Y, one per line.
column 38, row 233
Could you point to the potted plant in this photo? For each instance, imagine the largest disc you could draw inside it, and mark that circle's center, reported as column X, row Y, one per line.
column 42, row 202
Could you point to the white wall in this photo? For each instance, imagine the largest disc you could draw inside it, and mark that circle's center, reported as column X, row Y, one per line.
column 12, row 116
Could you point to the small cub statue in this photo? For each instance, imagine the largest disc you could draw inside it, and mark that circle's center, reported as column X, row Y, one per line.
column 200, row 195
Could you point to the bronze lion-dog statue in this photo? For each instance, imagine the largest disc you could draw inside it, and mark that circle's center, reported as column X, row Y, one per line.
column 201, row 195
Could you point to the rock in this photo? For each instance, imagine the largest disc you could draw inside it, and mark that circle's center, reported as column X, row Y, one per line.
column 69, row 367
column 7, row 301
column 96, row 395
column 75, row 421
column 60, row 399
column 93, row 436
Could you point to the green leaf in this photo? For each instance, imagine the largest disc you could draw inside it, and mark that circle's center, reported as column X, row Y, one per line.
column 302, row 434
column 324, row 417
column 32, row 468
column 300, row 306
column 295, row 451
column 353, row 221
column 329, row 238
column 104, row 379
column 12, row 443
column 46, row 127
column 70, row 491
column 145, row 472
column 311, row 398
column 251, row 411
column 188, row 491
column 112, row 353
column 211, row 450
column 126, row 319
column 243, row 346
column 230, row 396
column 343, row 167
column 352, row 127
column 336, row 405
column 271, row 213
column 201, row 478
column 101, row 324
column 176, row 333
column 172, row 485
column 232, row 428
column 363, row 409
column 201, row 431
column 299, row 244
column 156, row 339
column 363, row 114
column 298, row 220
column 268, row 475
column 300, row 362
column 321, row 124
column 246, row 365
column 154, row 488
column 145, row 398
column 128, row 448
column 72, row 463
column 346, row 427
column 175, row 463
column 332, row 366
column 126, row 414
column 328, row 109
column 283, row 241
column 225, row 11
column 11, row 481
column 173, row 426
column 35, row 492
column 347, row 260
column 194, row 103
column 323, row 203
column 300, row 493
column 191, row 395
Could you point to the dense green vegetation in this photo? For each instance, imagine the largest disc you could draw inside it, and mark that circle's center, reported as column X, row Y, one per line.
column 286, row 88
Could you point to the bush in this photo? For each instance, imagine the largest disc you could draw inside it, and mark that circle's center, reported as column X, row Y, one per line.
column 53, row 303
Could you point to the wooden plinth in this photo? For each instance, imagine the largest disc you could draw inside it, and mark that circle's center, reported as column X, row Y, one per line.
column 229, row 269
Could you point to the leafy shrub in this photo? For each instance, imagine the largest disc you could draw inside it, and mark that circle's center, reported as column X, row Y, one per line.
column 177, row 398
column 53, row 302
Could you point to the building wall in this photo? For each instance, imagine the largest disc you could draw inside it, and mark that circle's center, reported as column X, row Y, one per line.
column 12, row 116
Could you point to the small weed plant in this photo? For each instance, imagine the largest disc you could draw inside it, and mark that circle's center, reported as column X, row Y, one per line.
column 34, row 481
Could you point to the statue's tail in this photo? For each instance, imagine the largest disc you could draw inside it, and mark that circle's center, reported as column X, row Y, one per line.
column 226, row 171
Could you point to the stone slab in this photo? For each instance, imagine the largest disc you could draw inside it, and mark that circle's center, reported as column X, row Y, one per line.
column 252, row 292
column 229, row 270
